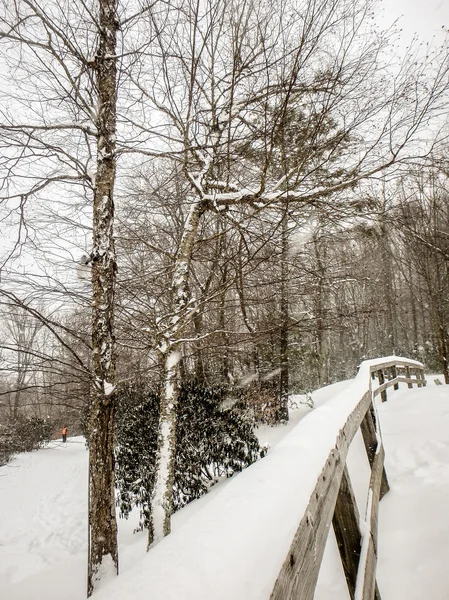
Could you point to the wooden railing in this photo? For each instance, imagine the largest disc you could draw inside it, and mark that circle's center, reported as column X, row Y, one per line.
column 333, row 499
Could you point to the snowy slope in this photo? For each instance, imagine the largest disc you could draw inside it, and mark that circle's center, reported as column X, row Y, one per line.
column 43, row 518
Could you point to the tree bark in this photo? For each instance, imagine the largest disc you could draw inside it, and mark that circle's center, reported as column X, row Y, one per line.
column 319, row 304
column 283, row 346
column 162, row 493
column 389, row 291
column 103, row 550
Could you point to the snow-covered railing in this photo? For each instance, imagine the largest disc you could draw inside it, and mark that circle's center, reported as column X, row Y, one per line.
column 245, row 543
column 333, row 497
column 389, row 374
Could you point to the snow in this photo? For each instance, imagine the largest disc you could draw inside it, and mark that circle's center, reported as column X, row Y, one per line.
column 108, row 388
column 106, row 572
column 173, row 359
column 231, row 543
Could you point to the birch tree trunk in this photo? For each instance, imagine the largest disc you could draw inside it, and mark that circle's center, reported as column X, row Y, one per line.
column 103, row 551
column 162, row 494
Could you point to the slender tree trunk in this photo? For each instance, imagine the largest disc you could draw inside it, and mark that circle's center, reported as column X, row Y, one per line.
column 103, row 551
column 225, row 369
column 15, row 411
column 388, row 287
column 411, row 293
column 320, row 307
column 162, row 494
column 198, row 351
column 443, row 351
column 283, row 345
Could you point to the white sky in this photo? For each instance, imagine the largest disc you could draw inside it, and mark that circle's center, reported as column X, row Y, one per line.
column 426, row 18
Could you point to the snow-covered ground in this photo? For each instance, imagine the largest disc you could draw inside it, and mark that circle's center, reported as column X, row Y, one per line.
column 43, row 503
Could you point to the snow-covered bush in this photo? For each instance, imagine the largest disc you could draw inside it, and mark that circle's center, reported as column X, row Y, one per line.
column 212, row 443
column 6, row 443
column 23, row 434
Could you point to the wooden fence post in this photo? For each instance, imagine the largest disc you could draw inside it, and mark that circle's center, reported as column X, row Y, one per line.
column 408, row 375
column 368, row 427
column 394, row 372
column 381, row 378
column 423, row 377
column 370, row 589
column 418, row 377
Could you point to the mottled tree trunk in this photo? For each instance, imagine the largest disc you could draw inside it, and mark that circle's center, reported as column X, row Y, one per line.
column 103, row 551
column 162, row 494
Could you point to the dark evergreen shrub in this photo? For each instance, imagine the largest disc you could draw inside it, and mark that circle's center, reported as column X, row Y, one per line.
column 212, row 442
column 7, row 446
column 135, row 447
column 23, row 434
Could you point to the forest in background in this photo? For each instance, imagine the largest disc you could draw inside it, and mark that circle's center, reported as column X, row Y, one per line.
column 357, row 284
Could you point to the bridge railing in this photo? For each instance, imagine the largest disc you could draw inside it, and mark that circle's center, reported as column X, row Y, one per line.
column 332, row 499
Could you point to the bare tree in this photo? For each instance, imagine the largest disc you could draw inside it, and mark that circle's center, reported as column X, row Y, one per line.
column 61, row 129
column 227, row 77
column 21, row 333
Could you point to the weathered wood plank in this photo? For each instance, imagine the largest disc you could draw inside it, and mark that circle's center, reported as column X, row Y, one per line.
column 409, row 380
column 369, row 557
column 394, row 373
column 368, row 427
column 408, row 376
column 376, row 487
column 399, row 379
column 299, row 573
column 422, row 377
column 382, row 387
column 368, row 582
column 418, row 377
column 386, row 385
column 377, row 595
column 347, row 531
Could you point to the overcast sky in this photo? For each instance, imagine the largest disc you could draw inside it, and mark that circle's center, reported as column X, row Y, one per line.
column 423, row 17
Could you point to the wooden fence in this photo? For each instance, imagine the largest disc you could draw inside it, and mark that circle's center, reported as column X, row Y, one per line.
column 333, row 499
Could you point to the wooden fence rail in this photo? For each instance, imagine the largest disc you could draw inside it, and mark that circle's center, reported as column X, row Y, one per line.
column 333, row 499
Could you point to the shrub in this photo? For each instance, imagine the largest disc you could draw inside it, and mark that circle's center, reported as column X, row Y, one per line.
column 23, row 434
column 211, row 443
